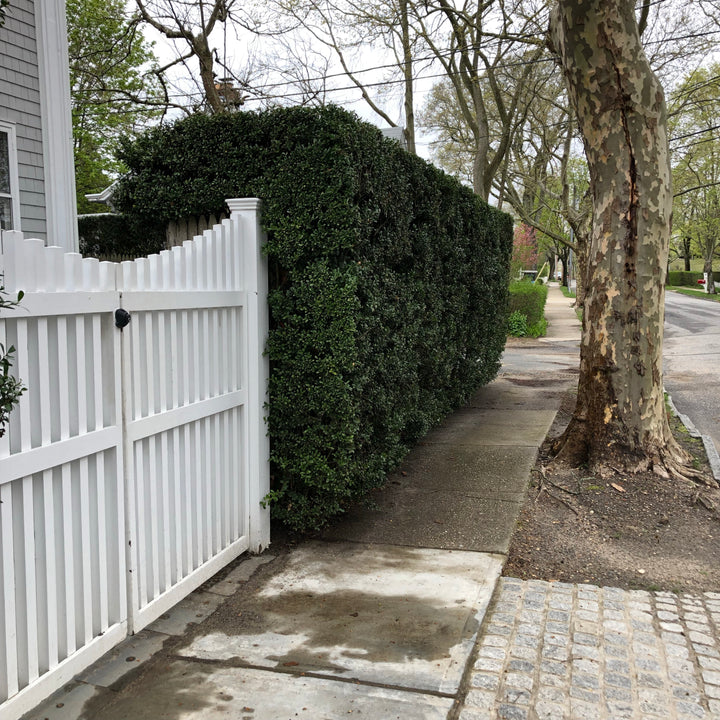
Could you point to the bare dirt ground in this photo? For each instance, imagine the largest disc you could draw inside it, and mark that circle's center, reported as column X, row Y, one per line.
column 636, row 531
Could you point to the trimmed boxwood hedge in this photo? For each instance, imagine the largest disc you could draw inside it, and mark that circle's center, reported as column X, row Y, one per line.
column 529, row 299
column 678, row 278
column 389, row 284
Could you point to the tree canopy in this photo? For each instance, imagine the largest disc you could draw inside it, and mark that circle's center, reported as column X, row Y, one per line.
column 695, row 108
column 113, row 89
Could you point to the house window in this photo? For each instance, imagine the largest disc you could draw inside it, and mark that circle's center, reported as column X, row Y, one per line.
column 9, row 199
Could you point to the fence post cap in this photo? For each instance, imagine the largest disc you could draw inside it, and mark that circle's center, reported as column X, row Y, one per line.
column 243, row 204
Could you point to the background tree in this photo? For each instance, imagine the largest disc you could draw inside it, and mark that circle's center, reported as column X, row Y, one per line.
column 696, row 165
column 219, row 85
column 525, row 250
column 535, row 178
column 350, row 31
column 681, row 248
column 477, row 45
column 620, row 419
column 471, row 44
column 113, row 88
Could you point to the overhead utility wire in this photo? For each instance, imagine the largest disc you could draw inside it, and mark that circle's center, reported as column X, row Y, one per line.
column 449, row 53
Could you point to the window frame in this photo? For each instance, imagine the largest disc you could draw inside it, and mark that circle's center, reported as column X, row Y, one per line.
column 8, row 129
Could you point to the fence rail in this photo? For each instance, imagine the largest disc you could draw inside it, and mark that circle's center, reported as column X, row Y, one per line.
column 133, row 468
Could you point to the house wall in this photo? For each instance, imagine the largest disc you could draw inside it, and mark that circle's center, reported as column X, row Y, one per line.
column 20, row 105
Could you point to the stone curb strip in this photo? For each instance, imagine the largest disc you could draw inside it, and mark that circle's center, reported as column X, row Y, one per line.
column 556, row 651
column 710, row 449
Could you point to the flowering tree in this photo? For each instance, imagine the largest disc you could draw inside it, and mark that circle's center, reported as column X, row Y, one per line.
column 525, row 250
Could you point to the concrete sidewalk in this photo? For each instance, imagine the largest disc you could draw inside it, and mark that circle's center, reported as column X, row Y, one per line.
column 399, row 612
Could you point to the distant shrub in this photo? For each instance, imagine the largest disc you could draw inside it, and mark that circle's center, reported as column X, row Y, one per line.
column 680, row 278
column 529, row 299
column 517, row 324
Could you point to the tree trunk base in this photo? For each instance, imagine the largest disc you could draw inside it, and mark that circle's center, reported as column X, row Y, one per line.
column 668, row 460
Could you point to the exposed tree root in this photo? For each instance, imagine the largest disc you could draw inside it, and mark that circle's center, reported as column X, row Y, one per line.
column 698, row 499
column 669, row 461
column 542, row 488
column 673, row 468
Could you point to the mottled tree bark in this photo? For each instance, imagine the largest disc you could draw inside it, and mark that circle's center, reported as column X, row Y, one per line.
column 708, row 274
column 620, row 419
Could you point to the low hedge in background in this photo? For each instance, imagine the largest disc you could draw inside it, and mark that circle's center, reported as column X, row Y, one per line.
column 527, row 300
column 679, row 278
column 388, row 285
column 108, row 234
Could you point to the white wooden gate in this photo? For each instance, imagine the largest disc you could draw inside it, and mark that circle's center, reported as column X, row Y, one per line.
column 134, row 466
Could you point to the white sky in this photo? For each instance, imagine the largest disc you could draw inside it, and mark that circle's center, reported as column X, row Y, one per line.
column 237, row 51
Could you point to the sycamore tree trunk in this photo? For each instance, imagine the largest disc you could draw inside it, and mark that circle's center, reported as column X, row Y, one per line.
column 620, row 419
column 708, row 275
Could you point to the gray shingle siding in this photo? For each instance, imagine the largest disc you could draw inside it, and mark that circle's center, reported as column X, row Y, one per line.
column 20, row 105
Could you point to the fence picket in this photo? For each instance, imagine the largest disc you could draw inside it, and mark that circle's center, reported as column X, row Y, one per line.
column 63, row 372
column 9, row 680
column 140, row 505
column 28, row 586
column 166, row 514
column 228, row 477
column 86, row 540
column 44, row 397
column 208, row 497
column 51, row 576
column 178, row 514
column 81, row 343
column 198, row 497
column 148, row 348
column 91, row 273
column 162, row 362
column 184, row 358
column 152, row 518
column 70, row 611
column 24, row 408
column 186, row 465
column 103, row 621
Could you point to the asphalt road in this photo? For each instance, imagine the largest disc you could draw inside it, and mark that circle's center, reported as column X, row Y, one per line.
column 692, row 360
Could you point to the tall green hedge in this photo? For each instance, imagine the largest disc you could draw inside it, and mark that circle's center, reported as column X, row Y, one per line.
column 388, row 285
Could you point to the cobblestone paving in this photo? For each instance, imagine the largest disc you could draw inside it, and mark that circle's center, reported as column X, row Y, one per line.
column 553, row 651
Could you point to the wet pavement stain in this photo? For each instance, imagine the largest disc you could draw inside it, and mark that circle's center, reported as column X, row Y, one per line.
column 339, row 632
column 393, row 618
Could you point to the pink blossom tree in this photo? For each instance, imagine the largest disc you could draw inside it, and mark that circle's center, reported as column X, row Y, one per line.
column 525, row 250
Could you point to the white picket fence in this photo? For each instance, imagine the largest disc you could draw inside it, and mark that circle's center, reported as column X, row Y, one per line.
column 135, row 465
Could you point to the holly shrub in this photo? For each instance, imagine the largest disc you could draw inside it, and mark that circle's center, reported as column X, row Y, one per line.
column 389, row 285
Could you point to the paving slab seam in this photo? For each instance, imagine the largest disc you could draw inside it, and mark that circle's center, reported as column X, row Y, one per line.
column 240, row 665
column 529, row 445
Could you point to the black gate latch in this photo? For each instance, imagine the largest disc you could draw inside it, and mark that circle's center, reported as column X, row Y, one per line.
column 122, row 318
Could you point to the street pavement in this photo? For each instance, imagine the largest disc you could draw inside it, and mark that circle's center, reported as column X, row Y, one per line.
column 691, row 350
column 399, row 611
